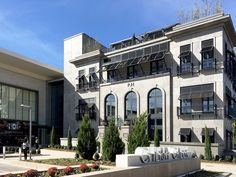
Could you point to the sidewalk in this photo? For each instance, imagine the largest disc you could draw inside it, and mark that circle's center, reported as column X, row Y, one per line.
column 220, row 167
column 12, row 164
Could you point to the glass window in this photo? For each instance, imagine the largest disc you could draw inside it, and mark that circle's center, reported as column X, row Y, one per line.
column 111, row 75
column 207, row 54
column 155, row 111
column 110, row 106
column 87, row 107
column 5, row 95
column 208, row 104
column 25, row 102
column 185, row 58
column 33, row 105
column 132, row 72
column 19, row 109
column 186, row 106
column 130, row 105
column 12, row 103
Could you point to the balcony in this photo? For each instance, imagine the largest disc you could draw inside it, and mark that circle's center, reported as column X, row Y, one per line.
column 83, row 87
column 209, row 64
column 187, row 68
column 189, row 111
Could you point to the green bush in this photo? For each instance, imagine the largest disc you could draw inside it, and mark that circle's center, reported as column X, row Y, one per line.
column 208, row 153
column 69, row 139
column 201, row 156
column 234, row 159
column 228, row 158
column 112, row 144
column 156, row 137
column 139, row 136
column 86, row 139
column 217, row 157
column 52, row 137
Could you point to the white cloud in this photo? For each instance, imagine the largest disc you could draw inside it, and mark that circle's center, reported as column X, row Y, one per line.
column 25, row 41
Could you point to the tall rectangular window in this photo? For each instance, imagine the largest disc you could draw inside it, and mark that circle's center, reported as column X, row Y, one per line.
column 186, row 106
column 12, row 103
column 19, row 109
column 33, row 105
column 185, row 58
column 207, row 54
column 132, row 72
column 5, row 95
column 208, row 104
column 25, row 102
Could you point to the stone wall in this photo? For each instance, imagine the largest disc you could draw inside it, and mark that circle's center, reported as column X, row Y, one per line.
column 198, row 148
column 169, row 169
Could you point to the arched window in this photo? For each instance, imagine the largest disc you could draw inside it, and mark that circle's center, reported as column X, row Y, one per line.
column 110, row 106
column 155, row 111
column 130, row 105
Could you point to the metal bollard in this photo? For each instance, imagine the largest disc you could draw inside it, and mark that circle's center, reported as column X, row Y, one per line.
column 4, row 152
column 20, row 153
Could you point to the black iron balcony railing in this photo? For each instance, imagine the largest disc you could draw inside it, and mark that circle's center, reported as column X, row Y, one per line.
column 93, row 85
column 188, row 110
column 208, row 64
column 87, row 86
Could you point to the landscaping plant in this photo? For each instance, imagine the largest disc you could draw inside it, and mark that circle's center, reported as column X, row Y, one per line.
column 69, row 139
column 84, row 168
column 52, row 171
column 86, row 139
column 139, row 136
column 112, row 143
column 156, row 137
column 52, row 137
column 208, row 154
column 68, row 170
column 31, row 173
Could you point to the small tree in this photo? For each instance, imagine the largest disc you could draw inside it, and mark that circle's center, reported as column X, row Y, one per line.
column 52, row 137
column 69, row 139
column 139, row 136
column 86, row 139
column 156, row 137
column 112, row 144
column 208, row 154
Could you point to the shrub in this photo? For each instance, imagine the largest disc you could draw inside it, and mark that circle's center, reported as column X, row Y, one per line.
column 217, row 157
column 228, row 158
column 52, row 137
column 156, row 137
column 69, row 139
column 83, row 168
column 68, row 170
column 208, row 154
column 234, row 159
column 201, row 156
column 138, row 137
column 31, row 173
column 94, row 166
column 86, row 139
column 112, row 144
column 52, row 171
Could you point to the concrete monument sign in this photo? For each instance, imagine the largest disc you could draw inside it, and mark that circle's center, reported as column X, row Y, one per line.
column 152, row 155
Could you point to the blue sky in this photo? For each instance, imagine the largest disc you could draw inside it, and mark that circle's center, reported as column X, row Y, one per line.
column 37, row 29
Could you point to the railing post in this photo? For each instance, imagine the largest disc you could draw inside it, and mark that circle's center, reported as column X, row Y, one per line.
column 4, row 152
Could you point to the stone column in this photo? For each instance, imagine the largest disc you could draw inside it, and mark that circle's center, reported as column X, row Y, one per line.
column 124, row 133
column 101, row 133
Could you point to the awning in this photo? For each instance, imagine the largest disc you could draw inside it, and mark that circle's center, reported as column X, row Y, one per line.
column 198, row 91
column 184, row 54
column 210, row 130
column 207, row 49
column 185, row 131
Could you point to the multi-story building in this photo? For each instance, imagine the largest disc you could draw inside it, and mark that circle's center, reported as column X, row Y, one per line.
column 25, row 81
column 183, row 75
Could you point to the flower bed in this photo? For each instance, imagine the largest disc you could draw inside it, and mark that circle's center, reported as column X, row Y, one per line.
column 54, row 172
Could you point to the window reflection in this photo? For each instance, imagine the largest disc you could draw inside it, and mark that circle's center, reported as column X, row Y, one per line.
column 130, row 105
column 110, row 106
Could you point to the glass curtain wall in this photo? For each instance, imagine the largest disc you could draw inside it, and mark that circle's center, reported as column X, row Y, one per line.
column 10, row 100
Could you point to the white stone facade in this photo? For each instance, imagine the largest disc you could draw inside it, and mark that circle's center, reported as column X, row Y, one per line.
column 217, row 28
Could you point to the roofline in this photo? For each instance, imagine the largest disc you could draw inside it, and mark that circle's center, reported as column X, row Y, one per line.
column 29, row 60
